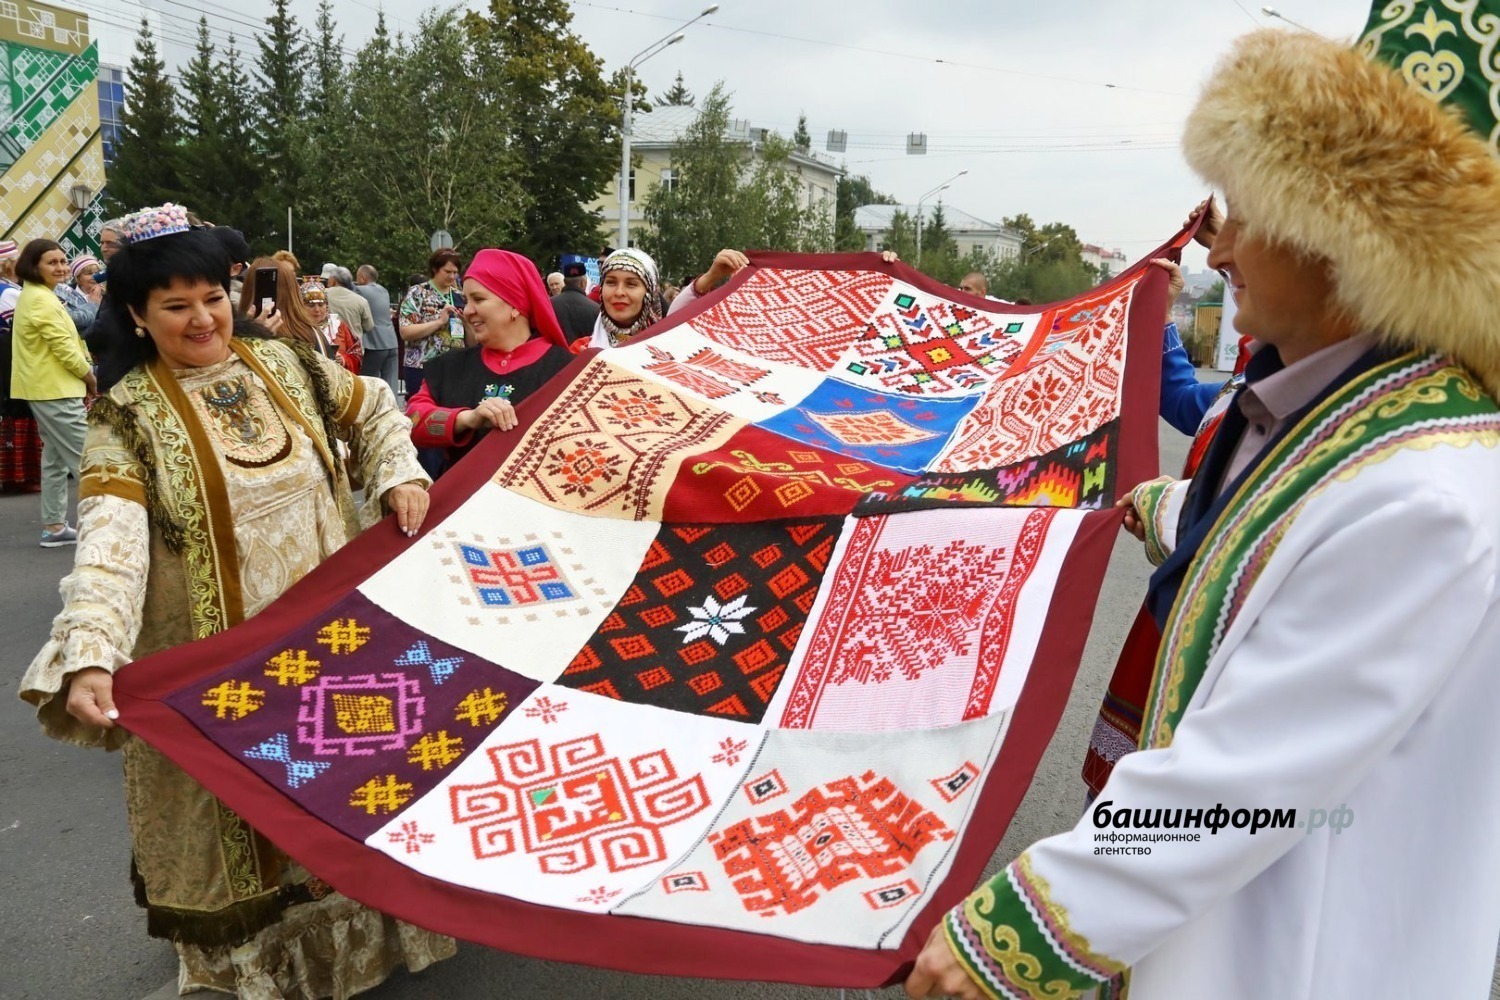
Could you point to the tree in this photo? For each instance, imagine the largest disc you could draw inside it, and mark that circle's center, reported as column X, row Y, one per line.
column 411, row 174
column 281, row 71
column 147, row 167
column 940, row 257
column 237, row 169
column 854, row 192
column 560, row 119
column 901, row 238
column 1049, row 266
column 729, row 195
column 327, row 200
column 203, row 118
column 701, row 215
column 801, row 138
column 772, row 204
column 677, row 95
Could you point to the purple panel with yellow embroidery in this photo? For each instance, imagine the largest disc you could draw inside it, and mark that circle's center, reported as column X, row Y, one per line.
column 355, row 714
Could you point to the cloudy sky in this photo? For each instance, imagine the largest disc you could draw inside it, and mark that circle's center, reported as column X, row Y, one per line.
column 1066, row 110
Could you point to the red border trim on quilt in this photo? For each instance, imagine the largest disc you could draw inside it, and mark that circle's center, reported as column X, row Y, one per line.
column 628, row 943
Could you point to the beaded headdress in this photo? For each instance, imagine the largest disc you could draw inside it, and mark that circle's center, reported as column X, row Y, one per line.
column 149, row 223
column 313, row 291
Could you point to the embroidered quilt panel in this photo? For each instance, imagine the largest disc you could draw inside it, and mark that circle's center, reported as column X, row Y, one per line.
column 734, row 659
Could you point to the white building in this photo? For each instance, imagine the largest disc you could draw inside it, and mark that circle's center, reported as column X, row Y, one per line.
column 1112, row 262
column 969, row 231
column 654, row 136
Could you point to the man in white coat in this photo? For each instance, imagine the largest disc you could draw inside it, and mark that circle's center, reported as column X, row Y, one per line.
column 1314, row 809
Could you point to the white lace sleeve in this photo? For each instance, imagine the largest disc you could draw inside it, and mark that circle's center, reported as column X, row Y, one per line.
column 101, row 617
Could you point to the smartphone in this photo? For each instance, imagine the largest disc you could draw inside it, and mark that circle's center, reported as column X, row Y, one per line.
column 266, row 280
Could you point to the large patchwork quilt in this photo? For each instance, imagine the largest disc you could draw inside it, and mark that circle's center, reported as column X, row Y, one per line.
column 734, row 659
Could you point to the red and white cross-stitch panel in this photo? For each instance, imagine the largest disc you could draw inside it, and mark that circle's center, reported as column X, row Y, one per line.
column 795, row 317
column 747, row 386
column 831, row 838
column 1068, row 385
column 927, row 619
column 573, row 801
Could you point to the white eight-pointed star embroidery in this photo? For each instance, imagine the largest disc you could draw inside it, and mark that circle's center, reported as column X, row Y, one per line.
column 715, row 620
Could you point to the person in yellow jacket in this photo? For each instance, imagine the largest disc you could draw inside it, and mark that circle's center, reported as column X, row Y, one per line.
column 50, row 369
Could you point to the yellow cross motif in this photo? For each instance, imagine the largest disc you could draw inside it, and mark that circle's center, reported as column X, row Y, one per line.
column 435, row 750
column 288, row 667
column 233, row 699
column 384, row 794
column 343, row 635
column 481, row 707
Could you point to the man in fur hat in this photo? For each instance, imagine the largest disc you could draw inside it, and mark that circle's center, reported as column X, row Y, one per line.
column 1313, row 810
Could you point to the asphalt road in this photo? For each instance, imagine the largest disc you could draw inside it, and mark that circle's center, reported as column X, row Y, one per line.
column 69, row 927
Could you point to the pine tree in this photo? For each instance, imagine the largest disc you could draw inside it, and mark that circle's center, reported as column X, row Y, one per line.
column 677, row 95
column 146, row 170
column 280, row 137
column 940, row 257
column 561, row 119
column 801, row 138
column 237, row 169
column 207, row 118
column 326, row 199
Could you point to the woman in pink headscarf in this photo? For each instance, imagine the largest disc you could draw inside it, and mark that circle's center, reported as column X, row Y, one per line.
column 519, row 346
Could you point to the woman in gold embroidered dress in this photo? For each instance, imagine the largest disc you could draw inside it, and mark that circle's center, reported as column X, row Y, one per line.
column 211, row 482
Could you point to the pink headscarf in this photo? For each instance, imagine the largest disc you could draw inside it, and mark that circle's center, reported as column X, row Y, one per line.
column 516, row 281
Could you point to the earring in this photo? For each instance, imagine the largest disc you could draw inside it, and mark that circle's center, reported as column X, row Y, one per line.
column 140, row 331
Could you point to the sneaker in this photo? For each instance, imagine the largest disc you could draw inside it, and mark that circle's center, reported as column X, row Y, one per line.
column 66, row 535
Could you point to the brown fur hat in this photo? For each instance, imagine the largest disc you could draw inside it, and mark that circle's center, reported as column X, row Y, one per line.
column 1319, row 148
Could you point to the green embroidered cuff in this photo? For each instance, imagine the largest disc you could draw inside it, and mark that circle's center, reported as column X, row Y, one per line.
column 1015, row 942
column 1150, row 500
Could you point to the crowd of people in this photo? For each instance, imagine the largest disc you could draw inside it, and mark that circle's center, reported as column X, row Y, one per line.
column 1321, row 629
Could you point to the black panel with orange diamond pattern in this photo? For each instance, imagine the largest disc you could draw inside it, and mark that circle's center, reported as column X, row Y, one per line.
column 711, row 619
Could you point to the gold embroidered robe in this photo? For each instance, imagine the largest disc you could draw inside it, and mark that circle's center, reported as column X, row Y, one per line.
column 205, row 493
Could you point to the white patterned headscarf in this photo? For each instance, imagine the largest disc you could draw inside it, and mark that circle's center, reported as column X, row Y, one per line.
column 608, row 333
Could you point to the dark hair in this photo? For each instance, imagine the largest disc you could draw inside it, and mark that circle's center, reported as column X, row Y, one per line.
column 138, row 269
column 441, row 259
column 234, row 244
column 29, row 264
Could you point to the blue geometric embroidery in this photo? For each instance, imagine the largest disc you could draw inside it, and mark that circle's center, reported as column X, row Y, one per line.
column 897, row 431
column 504, row 578
column 278, row 750
column 420, row 655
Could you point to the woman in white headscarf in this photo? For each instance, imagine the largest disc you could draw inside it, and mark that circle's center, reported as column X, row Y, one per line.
column 628, row 298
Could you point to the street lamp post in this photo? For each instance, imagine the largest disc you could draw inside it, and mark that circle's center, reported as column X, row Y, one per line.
column 1034, row 249
column 921, row 201
column 671, row 38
